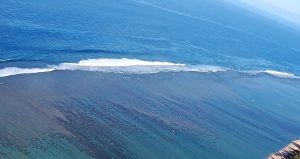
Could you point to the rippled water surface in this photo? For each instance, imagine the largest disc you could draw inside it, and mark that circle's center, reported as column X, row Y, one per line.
column 145, row 79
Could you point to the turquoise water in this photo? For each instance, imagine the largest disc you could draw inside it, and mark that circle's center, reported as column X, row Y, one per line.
column 145, row 79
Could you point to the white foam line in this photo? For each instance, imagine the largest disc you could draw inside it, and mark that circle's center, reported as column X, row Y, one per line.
column 134, row 66
column 123, row 62
column 280, row 74
column 272, row 73
column 123, row 65
column 10, row 71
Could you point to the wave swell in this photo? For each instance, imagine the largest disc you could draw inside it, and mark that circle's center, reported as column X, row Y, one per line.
column 4, row 60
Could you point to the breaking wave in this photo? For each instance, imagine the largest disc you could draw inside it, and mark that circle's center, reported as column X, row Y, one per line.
column 10, row 71
column 135, row 66
column 279, row 74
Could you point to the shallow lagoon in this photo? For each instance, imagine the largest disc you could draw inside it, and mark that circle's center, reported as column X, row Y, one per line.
column 74, row 114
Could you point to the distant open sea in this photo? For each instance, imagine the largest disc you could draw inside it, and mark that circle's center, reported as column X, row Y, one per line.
column 145, row 79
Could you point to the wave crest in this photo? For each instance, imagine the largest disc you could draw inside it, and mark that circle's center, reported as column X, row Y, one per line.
column 135, row 66
column 280, row 74
column 4, row 60
column 10, row 71
column 123, row 65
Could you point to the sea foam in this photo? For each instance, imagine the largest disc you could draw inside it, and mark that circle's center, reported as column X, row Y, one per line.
column 135, row 66
column 122, row 65
column 10, row 71
column 280, row 74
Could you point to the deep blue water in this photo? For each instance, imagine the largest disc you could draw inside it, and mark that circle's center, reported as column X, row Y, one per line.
column 202, row 114
column 194, row 32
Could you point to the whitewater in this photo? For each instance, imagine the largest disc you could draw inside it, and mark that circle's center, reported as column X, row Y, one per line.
column 135, row 66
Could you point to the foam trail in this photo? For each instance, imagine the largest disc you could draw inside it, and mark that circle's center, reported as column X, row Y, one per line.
column 194, row 17
column 210, row 21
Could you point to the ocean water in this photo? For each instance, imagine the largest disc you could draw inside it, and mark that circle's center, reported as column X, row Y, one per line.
column 145, row 79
